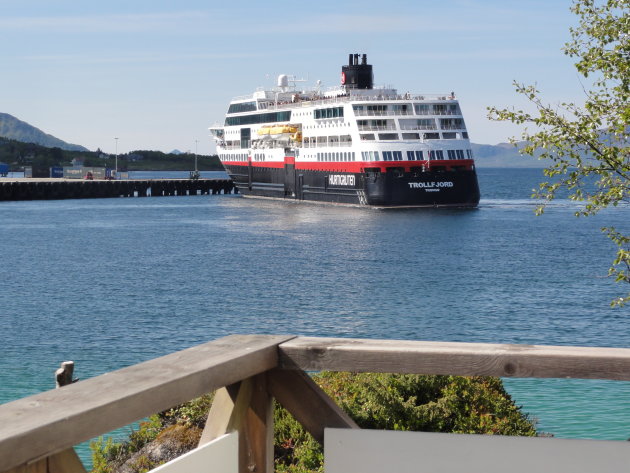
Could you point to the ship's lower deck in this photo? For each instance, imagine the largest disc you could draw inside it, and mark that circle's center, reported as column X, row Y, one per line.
column 454, row 186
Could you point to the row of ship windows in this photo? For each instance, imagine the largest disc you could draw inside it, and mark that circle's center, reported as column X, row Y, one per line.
column 406, row 109
column 432, row 155
column 270, row 117
column 234, row 157
column 341, row 156
column 412, row 124
column 242, row 107
column 414, row 136
column 333, row 140
column 332, row 112
column 346, row 140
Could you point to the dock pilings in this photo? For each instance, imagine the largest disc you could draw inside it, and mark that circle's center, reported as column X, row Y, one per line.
column 51, row 189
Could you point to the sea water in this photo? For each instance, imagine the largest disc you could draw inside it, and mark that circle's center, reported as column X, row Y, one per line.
column 112, row 282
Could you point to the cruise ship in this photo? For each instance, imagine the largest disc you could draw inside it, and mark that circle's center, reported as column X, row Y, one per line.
column 353, row 144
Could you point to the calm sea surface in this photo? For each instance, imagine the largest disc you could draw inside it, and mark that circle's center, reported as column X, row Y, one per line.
column 112, row 282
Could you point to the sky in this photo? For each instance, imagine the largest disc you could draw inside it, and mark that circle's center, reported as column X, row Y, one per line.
column 156, row 74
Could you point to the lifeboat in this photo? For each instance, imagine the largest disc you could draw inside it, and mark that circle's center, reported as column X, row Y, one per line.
column 277, row 130
column 282, row 129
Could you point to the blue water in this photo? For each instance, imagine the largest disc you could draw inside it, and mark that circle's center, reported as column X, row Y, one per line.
column 112, row 282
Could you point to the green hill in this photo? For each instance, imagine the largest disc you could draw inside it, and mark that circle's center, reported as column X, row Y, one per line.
column 14, row 129
column 18, row 154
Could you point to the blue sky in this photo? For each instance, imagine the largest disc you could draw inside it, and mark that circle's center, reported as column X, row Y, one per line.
column 156, row 74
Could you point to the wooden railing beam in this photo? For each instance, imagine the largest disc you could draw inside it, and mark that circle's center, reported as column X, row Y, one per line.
column 46, row 423
column 40, row 430
column 449, row 358
column 307, row 402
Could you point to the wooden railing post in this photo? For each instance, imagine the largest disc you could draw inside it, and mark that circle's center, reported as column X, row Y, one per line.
column 245, row 407
column 62, row 462
column 256, row 453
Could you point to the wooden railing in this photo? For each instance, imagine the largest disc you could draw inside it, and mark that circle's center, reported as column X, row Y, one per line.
column 37, row 433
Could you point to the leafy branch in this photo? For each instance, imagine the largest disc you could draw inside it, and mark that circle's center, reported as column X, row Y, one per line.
column 590, row 142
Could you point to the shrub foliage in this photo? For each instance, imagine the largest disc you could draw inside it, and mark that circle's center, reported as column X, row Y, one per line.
column 375, row 401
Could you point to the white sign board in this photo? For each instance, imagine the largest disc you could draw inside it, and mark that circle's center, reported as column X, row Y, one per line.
column 372, row 451
column 220, row 455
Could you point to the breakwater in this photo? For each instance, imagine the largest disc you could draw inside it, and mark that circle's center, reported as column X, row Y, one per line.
column 53, row 189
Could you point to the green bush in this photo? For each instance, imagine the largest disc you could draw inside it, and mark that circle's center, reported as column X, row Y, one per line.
column 454, row 404
column 375, row 401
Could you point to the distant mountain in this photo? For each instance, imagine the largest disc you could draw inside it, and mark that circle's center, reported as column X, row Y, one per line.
column 503, row 155
column 14, row 129
column 175, row 151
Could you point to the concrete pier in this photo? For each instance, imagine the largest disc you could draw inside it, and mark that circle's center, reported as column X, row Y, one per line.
column 50, row 189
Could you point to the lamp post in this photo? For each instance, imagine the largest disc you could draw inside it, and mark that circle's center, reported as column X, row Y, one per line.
column 195, row 174
column 196, row 142
column 116, row 165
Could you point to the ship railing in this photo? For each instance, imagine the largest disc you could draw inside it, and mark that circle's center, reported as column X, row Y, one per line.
column 248, row 372
column 243, row 97
column 376, row 97
column 403, row 97
column 382, row 113
column 302, row 103
column 336, row 144
column 376, row 127
column 418, row 127
column 447, row 112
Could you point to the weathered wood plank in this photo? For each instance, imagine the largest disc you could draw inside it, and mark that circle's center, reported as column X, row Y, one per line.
column 39, row 466
column 52, row 421
column 228, row 410
column 66, row 461
column 307, row 402
column 245, row 407
column 465, row 359
column 257, row 448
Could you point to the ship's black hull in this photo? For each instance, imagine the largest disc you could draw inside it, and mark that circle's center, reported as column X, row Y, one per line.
column 394, row 188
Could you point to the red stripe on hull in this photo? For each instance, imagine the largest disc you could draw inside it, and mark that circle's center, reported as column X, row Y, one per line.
column 357, row 166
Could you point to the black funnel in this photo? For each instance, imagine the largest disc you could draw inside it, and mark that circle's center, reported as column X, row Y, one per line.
column 355, row 75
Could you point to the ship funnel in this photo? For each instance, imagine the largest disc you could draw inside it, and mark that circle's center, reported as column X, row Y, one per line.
column 355, row 75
